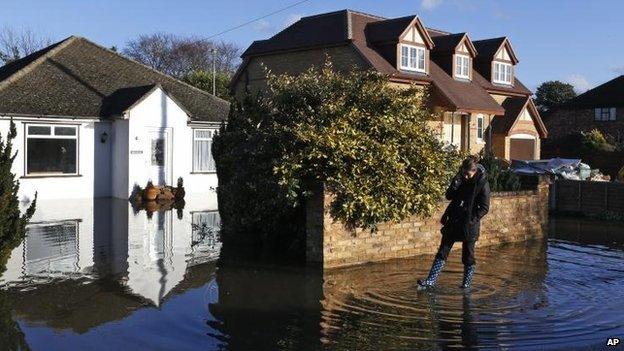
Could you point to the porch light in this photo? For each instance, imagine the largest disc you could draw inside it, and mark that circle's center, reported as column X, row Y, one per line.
column 104, row 137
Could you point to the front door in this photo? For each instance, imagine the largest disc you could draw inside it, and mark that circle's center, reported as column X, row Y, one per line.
column 159, row 156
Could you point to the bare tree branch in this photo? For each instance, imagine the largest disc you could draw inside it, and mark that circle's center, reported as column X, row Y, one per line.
column 179, row 56
column 15, row 44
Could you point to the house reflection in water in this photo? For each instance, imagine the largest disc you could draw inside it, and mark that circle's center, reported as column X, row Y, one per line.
column 99, row 238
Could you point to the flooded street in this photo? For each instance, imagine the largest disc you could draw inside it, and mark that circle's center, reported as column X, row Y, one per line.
column 99, row 275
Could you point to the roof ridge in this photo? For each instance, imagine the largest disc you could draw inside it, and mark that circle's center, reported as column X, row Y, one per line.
column 149, row 68
column 497, row 38
column 443, row 32
column 56, row 47
column 366, row 14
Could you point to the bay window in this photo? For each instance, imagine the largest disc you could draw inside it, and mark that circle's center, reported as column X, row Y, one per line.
column 503, row 73
column 51, row 149
column 203, row 161
column 462, row 66
column 412, row 58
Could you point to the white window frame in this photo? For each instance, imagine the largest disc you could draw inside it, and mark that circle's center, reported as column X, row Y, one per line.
column 604, row 114
column 462, row 62
column 407, row 62
column 502, row 73
column 52, row 135
column 480, row 127
column 213, row 132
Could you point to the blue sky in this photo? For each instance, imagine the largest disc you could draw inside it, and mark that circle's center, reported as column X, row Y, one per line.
column 576, row 41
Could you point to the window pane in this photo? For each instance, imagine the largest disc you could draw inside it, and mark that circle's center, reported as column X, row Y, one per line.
column 413, row 57
column 203, row 133
column 612, row 114
column 52, row 247
column 421, row 59
column 404, row 54
column 480, row 127
column 39, row 130
column 64, row 130
column 51, row 156
column 202, row 156
column 158, row 152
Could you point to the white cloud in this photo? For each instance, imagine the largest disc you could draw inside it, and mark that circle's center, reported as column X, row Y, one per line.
column 579, row 82
column 430, row 4
column 263, row 26
column 292, row 18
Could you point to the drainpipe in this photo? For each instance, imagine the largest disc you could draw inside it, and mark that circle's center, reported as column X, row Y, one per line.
column 489, row 144
column 452, row 128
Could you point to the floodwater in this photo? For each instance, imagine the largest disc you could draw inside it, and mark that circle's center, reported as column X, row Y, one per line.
column 99, row 276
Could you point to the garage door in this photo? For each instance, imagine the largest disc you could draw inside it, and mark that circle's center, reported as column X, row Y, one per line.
column 522, row 149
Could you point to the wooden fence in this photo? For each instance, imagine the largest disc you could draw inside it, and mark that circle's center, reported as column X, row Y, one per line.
column 587, row 197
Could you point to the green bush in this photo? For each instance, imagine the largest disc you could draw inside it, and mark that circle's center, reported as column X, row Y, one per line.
column 365, row 139
column 12, row 222
column 500, row 177
column 595, row 140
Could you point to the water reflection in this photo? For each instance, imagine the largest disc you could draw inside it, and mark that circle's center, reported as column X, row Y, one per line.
column 116, row 279
column 147, row 255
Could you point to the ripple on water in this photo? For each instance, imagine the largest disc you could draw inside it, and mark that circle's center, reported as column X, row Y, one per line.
column 554, row 295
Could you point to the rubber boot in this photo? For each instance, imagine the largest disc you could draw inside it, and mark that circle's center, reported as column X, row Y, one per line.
column 468, row 273
column 436, row 268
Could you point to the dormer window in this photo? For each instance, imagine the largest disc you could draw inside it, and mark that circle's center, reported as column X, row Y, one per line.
column 462, row 66
column 503, row 73
column 413, row 58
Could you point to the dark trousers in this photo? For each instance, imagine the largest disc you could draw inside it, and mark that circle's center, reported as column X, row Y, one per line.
column 468, row 258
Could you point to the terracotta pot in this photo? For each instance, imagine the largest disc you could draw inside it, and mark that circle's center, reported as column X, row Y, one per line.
column 151, row 193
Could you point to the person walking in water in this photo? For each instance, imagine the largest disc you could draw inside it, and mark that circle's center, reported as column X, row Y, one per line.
column 469, row 193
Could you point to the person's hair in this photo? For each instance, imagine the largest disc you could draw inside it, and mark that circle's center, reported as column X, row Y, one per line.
column 470, row 163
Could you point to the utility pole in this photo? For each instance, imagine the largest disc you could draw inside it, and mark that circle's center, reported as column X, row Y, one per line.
column 214, row 71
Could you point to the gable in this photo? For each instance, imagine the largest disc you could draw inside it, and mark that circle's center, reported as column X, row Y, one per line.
column 412, row 35
column 156, row 105
column 416, row 33
column 503, row 54
column 462, row 47
column 524, row 124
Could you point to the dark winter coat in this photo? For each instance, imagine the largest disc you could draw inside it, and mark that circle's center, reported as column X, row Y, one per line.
column 470, row 201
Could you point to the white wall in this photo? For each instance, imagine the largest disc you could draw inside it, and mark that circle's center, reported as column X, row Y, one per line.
column 114, row 167
column 119, row 159
column 159, row 111
column 64, row 187
column 148, row 257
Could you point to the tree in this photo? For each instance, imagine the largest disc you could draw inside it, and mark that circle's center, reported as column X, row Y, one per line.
column 364, row 139
column 203, row 80
column 17, row 44
column 553, row 93
column 12, row 222
column 179, row 56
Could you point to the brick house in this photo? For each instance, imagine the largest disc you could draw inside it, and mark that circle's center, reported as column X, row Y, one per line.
column 476, row 97
column 600, row 108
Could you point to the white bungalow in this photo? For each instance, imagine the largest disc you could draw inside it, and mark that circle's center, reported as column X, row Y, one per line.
column 92, row 123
